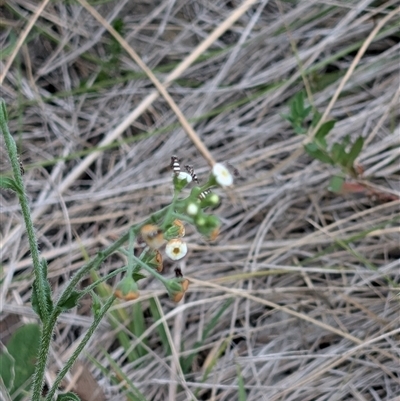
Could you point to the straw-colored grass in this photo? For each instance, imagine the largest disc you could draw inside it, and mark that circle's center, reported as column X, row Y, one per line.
column 297, row 299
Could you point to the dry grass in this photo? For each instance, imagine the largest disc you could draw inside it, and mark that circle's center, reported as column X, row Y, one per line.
column 314, row 314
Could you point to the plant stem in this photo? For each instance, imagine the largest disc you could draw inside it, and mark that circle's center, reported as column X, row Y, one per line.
column 101, row 256
column 149, row 269
column 39, row 271
column 49, row 317
column 48, row 329
column 45, row 339
column 92, row 286
column 92, row 264
column 99, row 316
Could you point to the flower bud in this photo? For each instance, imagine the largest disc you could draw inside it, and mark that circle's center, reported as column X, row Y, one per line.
column 210, row 227
column 200, row 221
column 177, row 297
column 214, row 234
column 152, row 235
column 211, row 199
column 127, row 289
column 177, row 230
column 185, row 284
column 154, row 259
column 176, row 288
column 180, row 180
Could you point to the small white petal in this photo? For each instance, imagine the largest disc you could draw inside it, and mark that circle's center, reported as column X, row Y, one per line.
column 176, row 249
column 222, row 175
column 183, row 175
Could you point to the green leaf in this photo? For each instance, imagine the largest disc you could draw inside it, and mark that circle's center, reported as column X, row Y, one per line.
column 322, row 144
column 96, row 304
column 17, row 365
column 186, row 363
column 355, row 151
column 324, row 129
column 119, row 26
column 138, row 326
column 7, row 369
column 335, row 184
column 36, row 304
column 138, row 276
column 298, row 104
column 47, row 293
column 242, row 390
column 7, row 50
column 313, row 150
column 316, row 117
column 68, row 397
column 299, row 130
column 155, row 312
column 47, row 288
column 8, row 183
column 71, row 301
column 35, row 301
column 346, row 141
column 306, row 112
column 287, row 117
column 132, row 392
column 338, row 153
column 298, row 113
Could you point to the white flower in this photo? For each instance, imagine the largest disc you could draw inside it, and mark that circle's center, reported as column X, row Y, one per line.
column 192, row 209
column 222, row 175
column 176, row 249
column 183, row 175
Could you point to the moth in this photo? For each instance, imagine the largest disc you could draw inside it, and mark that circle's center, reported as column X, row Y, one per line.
column 175, row 166
column 204, row 194
column 190, row 170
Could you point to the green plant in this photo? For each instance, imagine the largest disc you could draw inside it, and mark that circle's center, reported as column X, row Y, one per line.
column 341, row 154
column 17, row 362
column 164, row 227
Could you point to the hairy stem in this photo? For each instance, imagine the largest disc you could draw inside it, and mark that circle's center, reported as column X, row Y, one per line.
column 39, row 270
column 98, row 317
column 45, row 339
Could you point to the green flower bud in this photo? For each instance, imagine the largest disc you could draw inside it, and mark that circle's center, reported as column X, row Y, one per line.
column 210, row 228
column 211, row 199
column 200, row 220
column 176, row 288
column 177, row 230
column 127, row 289
column 180, row 180
column 153, row 259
